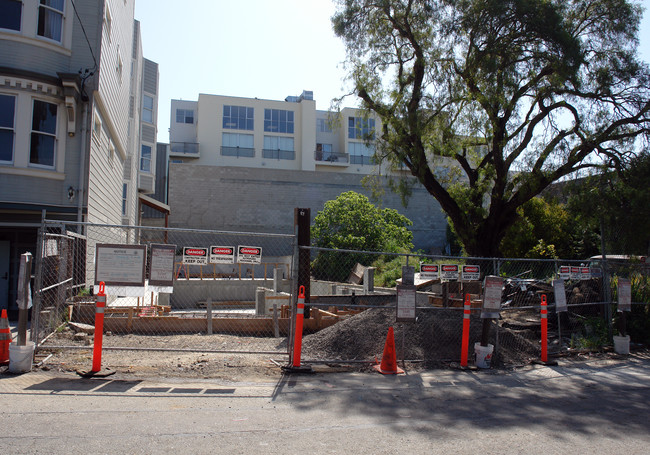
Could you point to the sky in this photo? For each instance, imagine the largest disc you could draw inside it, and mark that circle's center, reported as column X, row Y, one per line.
column 268, row 49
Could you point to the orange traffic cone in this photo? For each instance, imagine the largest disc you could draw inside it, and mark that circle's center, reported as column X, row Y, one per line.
column 389, row 360
column 5, row 338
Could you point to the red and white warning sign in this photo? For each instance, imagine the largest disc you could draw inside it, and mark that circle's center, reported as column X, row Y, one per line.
column 585, row 273
column 449, row 271
column 249, row 254
column 222, row 254
column 576, row 274
column 471, row 273
column 565, row 272
column 195, row 255
column 429, row 271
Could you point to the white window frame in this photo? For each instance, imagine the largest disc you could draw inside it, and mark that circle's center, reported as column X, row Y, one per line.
column 32, row 131
column 146, row 109
column 142, row 158
column 53, row 11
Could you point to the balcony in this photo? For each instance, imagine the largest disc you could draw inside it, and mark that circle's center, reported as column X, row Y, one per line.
column 184, row 149
column 336, row 159
column 239, row 152
column 361, row 159
column 279, row 154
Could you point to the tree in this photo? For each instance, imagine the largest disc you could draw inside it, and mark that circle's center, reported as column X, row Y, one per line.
column 352, row 222
column 615, row 202
column 488, row 102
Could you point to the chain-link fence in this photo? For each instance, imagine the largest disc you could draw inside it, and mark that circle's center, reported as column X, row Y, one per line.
column 235, row 287
column 244, row 304
column 358, row 289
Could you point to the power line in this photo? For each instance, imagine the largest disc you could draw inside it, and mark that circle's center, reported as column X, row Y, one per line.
column 83, row 29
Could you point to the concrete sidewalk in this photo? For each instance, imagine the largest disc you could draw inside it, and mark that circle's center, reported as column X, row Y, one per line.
column 601, row 407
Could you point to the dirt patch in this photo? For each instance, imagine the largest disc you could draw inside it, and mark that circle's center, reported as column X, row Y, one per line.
column 432, row 342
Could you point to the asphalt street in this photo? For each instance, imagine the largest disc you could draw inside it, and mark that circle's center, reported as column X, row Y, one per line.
column 597, row 407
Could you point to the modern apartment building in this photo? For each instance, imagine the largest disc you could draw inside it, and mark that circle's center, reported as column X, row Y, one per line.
column 74, row 120
column 244, row 164
column 256, row 133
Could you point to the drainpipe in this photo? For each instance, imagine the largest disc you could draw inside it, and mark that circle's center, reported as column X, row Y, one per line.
column 81, row 190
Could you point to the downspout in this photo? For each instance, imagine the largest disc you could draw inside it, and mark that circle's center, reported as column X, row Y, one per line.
column 82, row 168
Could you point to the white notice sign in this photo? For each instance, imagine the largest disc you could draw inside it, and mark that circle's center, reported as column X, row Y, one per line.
column 471, row 272
column 624, row 295
column 560, row 295
column 120, row 265
column 406, row 303
column 449, row 271
column 222, row 254
column 195, row 255
column 161, row 272
column 492, row 297
column 249, row 254
column 429, row 272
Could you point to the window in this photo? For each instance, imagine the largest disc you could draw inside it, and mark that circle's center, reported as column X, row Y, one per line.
column 184, row 116
column 10, row 14
column 125, row 191
column 238, row 118
column 97, row 126
column 145, row 159
column 7, row 114
column 278, row 121
column 43, row 137
column 280, row 148
column 50, row 19
column 360, row 153
column 323, row 126
column 360, row 128
column 120, row 65
column 239, row 145
column 147, row 109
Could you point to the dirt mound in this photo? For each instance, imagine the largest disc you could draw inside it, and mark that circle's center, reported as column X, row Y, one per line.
column 435, row 338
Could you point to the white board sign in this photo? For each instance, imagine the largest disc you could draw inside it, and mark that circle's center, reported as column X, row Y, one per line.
column 493, row 289
column 471, row 273
column 120, row 265
column 195, row 255
column 249, row 254
column 585, row 273
column 575, row 273
column 624, row 295
column 161, row 270
column 222, row 254
column 406, row 303
column 560, row 295
column 429, row 272
column 449, row 271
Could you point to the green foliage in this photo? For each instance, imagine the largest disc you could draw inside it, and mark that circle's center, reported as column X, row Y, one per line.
column 352, row 222
column 487, row 102
column 594, row 336
column 637, row 320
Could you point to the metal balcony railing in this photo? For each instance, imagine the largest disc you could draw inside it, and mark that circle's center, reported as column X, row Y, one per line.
column 187, row 149
column 331, row 157
column 279, row 154
column 239, row 152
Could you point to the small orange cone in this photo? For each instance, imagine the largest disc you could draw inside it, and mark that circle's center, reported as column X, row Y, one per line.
column 389, row 360
column 5, row 338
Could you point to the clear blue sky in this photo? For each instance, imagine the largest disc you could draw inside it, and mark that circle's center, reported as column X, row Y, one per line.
column 267, row 49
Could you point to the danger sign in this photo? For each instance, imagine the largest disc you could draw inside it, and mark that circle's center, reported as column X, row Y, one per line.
column 471, row 272
column 565, row 272
column 222, row 254
column 249, row 254
column 429, row 271
column 449, row 271
column 194, row 255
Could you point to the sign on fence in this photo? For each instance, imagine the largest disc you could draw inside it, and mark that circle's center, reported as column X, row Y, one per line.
column 249, row 254
column 195, row 255
column 222, row 255
column 429, row 272
column 120, row 265
column 565, row 272
column 161, row 272
column 449, row 271
column 471, row 272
